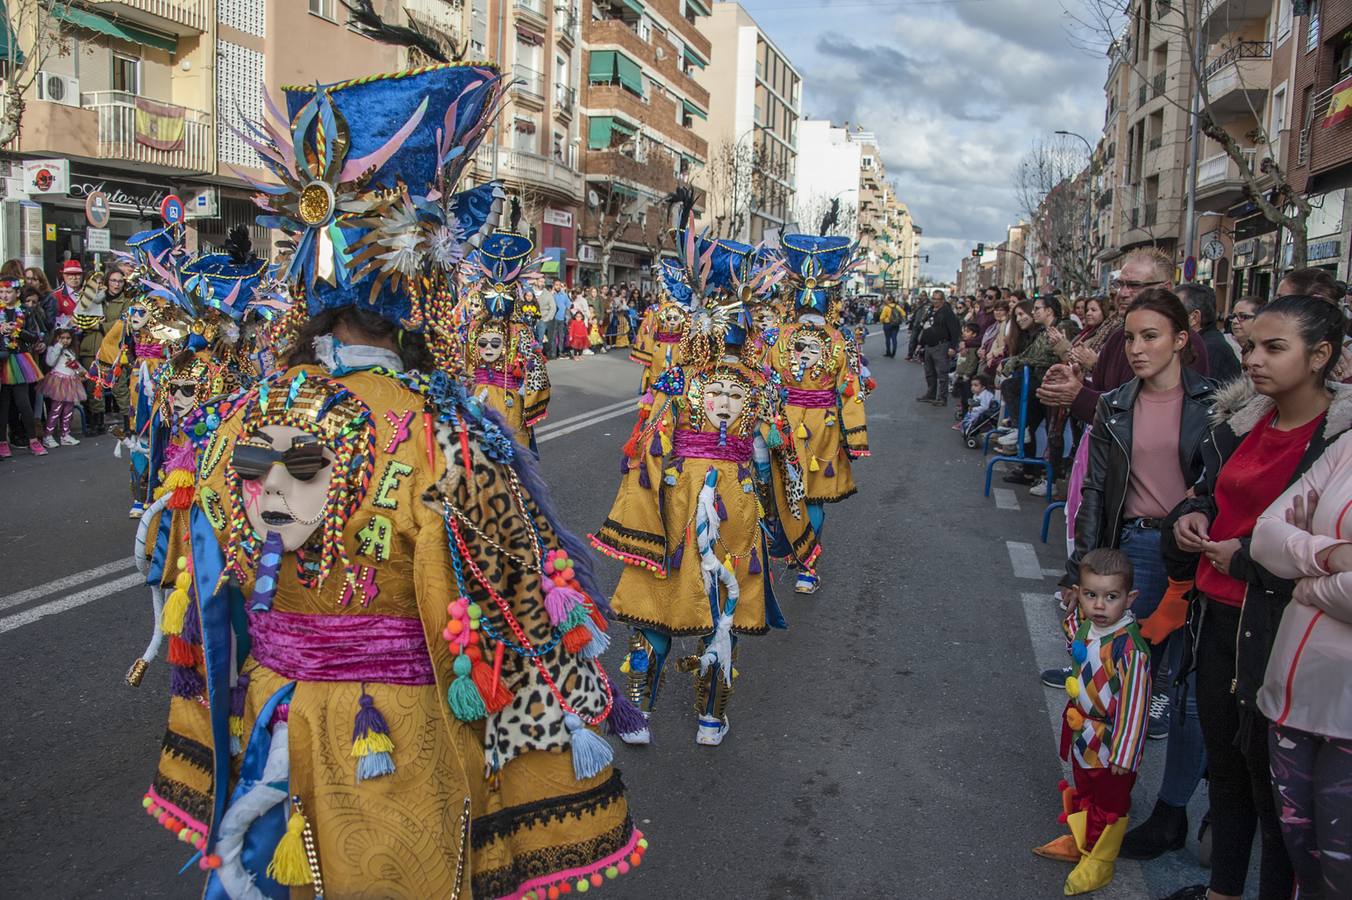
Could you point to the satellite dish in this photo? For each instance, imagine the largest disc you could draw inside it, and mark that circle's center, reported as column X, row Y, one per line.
column 593, row 199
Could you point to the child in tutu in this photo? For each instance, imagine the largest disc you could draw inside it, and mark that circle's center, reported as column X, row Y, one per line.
column 63, row 387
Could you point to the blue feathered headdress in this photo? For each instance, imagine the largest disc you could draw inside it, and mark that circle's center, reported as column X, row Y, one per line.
column 816, row 268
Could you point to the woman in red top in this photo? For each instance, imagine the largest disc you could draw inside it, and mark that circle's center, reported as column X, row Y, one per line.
column 1267, row 432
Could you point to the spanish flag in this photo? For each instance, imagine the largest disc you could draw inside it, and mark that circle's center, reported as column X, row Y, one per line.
column 159, row 126
column 1340, row 104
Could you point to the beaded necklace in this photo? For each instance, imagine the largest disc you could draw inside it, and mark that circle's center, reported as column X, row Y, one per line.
column 16, row 327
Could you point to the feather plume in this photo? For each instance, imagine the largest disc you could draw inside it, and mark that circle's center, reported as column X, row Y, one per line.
column 362, row 15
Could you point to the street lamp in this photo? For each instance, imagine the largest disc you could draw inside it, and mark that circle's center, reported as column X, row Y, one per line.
column 1088, row 146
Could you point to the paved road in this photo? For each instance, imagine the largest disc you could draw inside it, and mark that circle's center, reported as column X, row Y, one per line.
column 895, row 742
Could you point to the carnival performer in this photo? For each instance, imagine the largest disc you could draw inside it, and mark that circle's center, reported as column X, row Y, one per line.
column 399, row 641
column 506, row 365
column 19, row 340
column 687, row 521
column 824, row 401
column 227, row 283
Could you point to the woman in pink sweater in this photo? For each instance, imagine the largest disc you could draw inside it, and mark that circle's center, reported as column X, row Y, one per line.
column 1307, row 693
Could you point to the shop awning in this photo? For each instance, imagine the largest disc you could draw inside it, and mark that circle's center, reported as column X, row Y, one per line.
column 635, row 5
column 693, row 109
column 79, row 18
column 694, row 58
column 9, row 41
column 631, row 76
column 601, row 68
column 601, row 129
column 700, row 8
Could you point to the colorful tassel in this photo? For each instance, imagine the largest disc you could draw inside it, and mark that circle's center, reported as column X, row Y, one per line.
column 576, row 638
column 669, row 476
column 625, row 717
column 655, row 445
column 180, row 651
column 371, row 742
column 491, row 689
column 812, row 465
column 591, row 753
column 722, row 510
column 463, row 695
column 600, row 642
column 176, row 606
column 644, row 481
column 801, row 433
column 754, row 566
column 830, row 471
column 238, row 693
column 773, row 439
column 288, row 865
column 560, row 602
column 666, row 442
column 186, row 682
column 676, row 556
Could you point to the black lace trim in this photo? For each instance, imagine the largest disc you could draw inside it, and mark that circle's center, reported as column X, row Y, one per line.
column 836, row 498
column 507, row 822
column 528, row 865
column 662, row 627
column 193, row 802
column 188, row 750
column 610, row 525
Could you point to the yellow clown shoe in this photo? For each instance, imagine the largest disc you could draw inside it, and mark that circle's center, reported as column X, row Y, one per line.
column 1096, row 868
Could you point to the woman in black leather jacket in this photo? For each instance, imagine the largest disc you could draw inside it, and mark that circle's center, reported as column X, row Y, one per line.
column 1145, row 452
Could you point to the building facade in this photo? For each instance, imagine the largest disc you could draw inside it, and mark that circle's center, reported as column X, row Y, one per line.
column 751, row 129
column 829, row 160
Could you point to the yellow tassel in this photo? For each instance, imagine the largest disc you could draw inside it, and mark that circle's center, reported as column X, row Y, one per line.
column 175, row 608
column 728, row 564
column 801, row 432
column 179, row 478
column 288, row 865
column 236, row 724
column 373, row 742
column 812, row 465
column 666, row 443
column 624, row 666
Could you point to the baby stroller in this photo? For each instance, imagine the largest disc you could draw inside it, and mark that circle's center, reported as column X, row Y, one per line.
column 977, row 423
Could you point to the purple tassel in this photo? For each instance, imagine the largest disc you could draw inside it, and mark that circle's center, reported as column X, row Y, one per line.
column 184, row 681
column 368, row 718
column 643, row 480
column 722, row 510
column 754, row 567
column 624, row 717
column 237, row 695
column 624, row 464
column 743, row 471
column 192, row 623
column 559, row 602
column 655, row 448
column 675, row 561
column 829, row 471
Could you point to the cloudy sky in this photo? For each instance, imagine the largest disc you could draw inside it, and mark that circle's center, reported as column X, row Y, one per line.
column 956, row 91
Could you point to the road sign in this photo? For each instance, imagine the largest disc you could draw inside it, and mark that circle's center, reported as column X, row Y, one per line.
column 98, row 240
column 1190, row 268
column 1213, row 249
column 171, row 210
column 96, row 209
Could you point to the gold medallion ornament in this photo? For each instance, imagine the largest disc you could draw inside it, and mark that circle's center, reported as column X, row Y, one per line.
column 316, row 203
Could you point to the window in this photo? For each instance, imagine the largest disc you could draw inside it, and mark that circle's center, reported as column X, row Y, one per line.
column 1283, row 20
column 1278, row 123
column 126, row 74
column 323, row 9
column 1312, row 27
column 1343, row 64
column 523, row 134
column 557, row 148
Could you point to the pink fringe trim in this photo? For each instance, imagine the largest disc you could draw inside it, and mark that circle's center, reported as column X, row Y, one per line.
column 546, row 881
column 628, row 559
column 174, row 811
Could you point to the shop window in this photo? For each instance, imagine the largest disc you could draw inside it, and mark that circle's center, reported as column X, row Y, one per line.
column 126, row 74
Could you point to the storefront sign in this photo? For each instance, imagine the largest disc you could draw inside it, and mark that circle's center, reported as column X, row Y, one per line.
column 123, row 196
column 1321, row 250
column 1244, row 253
column 98, row 240
column 50, row 231
column 46, row 176
column 558, row 217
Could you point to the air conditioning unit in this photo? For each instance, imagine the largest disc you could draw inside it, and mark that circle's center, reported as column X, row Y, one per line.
column 202, row 204
column 56, row 88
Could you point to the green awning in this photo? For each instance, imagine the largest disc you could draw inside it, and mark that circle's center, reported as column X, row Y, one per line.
column 9, row 41
column 601, row 129
column 601, row 68
column 79, row 18
column 694, row 58
column 635, row 5
column 699, row 7
column 623, row 190
column 631, row 76
column 693, row 109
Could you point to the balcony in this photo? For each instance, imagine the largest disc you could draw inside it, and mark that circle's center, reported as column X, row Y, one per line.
column 1220, row 184
column 532, row 9
column 565, row 24
column 528, row 83
column 166, row 138
column 533, row 169
column 565, row 101
column 1238, row 80
column 178, row 16
column 1220, row 17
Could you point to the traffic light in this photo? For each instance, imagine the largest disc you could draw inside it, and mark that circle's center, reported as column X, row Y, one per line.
column 980, row 250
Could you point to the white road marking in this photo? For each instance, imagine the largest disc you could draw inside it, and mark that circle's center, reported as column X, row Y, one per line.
column 29, row 616
column 1024, row 559
column 628, row 408
column 628, row 403
column 1005, row 498
column 69, row 581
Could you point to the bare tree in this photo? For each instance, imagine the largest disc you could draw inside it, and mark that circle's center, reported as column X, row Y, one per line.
column 729, row 181
column 1052, row 182
column 622, row 212
column 35, row 35
column 810, row 210
column 1109, row 25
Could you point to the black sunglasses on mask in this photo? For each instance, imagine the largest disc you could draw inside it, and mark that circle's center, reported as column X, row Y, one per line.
column 304, row 459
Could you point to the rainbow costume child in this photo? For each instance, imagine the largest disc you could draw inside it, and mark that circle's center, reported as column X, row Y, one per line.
column 399, row 642
column 689, row 520
column 823, row 390
column 506, row 366
column 1102, row 734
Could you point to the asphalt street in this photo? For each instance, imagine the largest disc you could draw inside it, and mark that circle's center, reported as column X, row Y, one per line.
column 895, row 742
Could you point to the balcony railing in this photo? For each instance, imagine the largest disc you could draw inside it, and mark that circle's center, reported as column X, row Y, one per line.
column 532, row 168
column 1242, row 50
column 1142, row 95
column 1319, row 105
column 528, row 81
column 156, row 139
column 192, row 14
column 1220, row 168
column 534, row 7
column 1149, row 212
column 565, row 22
column 565, row 100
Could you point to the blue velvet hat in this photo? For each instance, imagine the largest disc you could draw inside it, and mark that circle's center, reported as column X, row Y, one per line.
column 155, row 243
column 498, row 269
column 674, row 282
column 367, row 170
column 221, row 281
column 816, row 267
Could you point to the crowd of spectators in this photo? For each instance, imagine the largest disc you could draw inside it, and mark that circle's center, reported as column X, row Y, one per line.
column 609, row 317
column 1213, row 450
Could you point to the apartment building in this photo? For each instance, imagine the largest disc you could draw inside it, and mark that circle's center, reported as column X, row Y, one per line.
column 1012, row 265
column 752, row 124
column 829, row 160
column 138, row 106
column 639, row 103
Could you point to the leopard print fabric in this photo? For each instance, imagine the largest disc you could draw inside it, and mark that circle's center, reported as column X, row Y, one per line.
column 534, row 720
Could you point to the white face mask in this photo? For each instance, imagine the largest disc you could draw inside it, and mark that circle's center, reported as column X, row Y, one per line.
column 490, row 347
column 281, row 502
column 724, row 401
column 807, row 351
